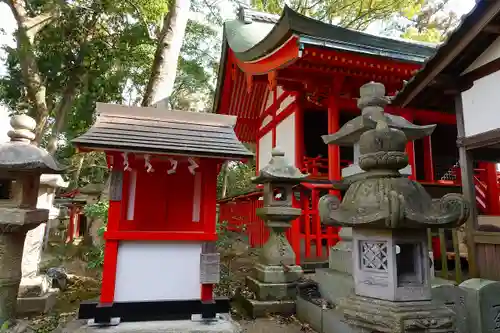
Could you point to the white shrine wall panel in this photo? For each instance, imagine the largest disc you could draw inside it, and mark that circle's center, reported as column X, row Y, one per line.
column 285, row 103
column 265, row 148
column 285, row 137
column 491, row 53
column 266, row 121
column 481, row 105
column 269, row 100
column 265, row 101
column 156, row 271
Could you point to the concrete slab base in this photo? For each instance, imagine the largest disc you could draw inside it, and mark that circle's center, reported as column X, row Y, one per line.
column 322, row 320
column 272, row 291
column 259, row 309
column 34, row 305
column 333, row 284
column 222, row 325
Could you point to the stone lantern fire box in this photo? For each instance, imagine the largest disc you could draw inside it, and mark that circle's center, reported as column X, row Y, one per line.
column 160, row 261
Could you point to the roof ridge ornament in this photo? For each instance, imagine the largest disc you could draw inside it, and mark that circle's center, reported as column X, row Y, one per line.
column 244, row 13
column 22, row 129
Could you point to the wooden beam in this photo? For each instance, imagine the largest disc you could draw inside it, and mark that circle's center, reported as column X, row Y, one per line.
column 482, row 71
column 492, row 29
column 468, row 189
column 481, row 140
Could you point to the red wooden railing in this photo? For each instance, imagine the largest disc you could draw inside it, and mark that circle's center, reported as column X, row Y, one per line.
column 317, row 167
column 239, row 214
column 308, row 237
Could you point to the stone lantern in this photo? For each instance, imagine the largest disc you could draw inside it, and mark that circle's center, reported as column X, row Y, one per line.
column 22, row 163
column 276, row 273
column 389, row 215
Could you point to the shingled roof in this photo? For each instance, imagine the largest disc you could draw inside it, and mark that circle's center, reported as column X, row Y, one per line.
column 255, row 34
column 154, row 130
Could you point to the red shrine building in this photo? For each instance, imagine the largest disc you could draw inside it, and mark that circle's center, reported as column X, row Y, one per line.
column 291, row 79
column 159, row 256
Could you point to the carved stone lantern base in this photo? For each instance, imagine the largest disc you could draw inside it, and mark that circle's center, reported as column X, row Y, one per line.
column 374, row 315
column 14, row 224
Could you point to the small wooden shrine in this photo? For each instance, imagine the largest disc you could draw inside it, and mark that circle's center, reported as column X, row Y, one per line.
column 158, row 264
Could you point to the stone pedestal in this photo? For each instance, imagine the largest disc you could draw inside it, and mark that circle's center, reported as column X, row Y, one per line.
column 336, row 281
column 274, row 278
column 374, row 315
column 14, row 224
column 21, row 165
column 35, row 293
column 11, row 249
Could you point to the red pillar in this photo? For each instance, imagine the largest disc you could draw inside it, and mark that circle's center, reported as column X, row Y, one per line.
column 428, row 162
column 111, row 246
column 71, row 224
column 410, row 148
column 333, row 150
column 492, row 188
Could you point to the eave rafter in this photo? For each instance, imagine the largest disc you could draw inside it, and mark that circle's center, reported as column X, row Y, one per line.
column 372, row 65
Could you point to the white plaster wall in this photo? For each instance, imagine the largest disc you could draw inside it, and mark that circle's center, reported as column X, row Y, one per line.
column 481, row 105
column 286, row 102
column 155, row 271
column 285, row 137
column 266, row 121
column 265, row 101
column 491, row 53
column 270, row 99
column 265, row 148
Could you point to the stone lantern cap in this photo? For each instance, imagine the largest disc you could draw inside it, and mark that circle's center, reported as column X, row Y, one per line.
column 279, row 170
column 20, row 155
column 372, row 102
column 382, row 198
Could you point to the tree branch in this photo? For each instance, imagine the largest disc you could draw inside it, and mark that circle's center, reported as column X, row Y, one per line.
column 35, row 89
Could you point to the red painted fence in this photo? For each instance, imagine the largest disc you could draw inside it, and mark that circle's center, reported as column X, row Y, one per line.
column 308, row 237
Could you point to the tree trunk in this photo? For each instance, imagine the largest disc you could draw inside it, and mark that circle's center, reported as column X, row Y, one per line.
column 76, row 175
column 225, row 170
column 27, row 27
column 164, row 68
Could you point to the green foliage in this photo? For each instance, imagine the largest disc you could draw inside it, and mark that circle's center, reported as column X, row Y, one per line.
column 196, row 75
column 427, row 21
column 346, row 13
column 238, row 179
column 98, row 210
column 5, row 326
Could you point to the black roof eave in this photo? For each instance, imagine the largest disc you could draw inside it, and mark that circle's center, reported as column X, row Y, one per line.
column 291, row 23
column 440, row 62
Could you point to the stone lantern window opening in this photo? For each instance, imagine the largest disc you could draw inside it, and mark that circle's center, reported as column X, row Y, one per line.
column 280, row 194
column 409, row 265
column 5, row 189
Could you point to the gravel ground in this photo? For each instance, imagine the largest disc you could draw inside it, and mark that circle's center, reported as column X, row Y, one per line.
column 271, row 325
